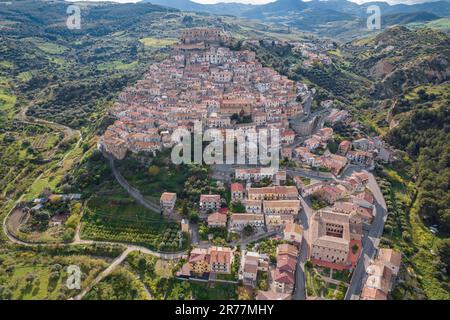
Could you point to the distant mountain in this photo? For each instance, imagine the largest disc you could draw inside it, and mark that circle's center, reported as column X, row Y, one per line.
column 335, row 18
column 220, row 8
column 405, row 18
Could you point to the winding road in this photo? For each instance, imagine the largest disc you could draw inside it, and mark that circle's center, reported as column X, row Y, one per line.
column 69, row 132
column 134, row 193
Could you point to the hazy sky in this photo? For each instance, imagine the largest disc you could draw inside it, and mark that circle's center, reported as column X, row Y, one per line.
column 267, row 1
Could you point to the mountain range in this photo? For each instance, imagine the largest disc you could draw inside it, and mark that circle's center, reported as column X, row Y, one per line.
column 338, row 18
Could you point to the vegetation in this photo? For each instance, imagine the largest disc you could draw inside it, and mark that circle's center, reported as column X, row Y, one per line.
column 166, row 287
column 119, row 218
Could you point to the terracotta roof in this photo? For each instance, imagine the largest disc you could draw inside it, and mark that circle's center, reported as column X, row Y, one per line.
column 237, row 187
column 372, row 294
column 294, row 228
column 217, row 218
column 220, row 255
column 167, row 196
column 391, row 256
column 286, row 262
column 209, row 197
column 286, row 248
column 284, row 277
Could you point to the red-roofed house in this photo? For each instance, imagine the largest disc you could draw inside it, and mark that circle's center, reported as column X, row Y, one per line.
column 217, row 220
column 237, row 192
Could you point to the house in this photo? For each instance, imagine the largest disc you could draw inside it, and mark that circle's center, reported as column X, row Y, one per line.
column 381, row 274
column 59, row 219
column 167, row 202
column 288, row 249
column 272, row 295
column 284, row 274
column 283, row 282
column 344, row 147
column 359, row 209
column 239, row 221
column 199, row 261
column 286, row 153
column 253, row 206
column 325, row 134
column 281, row 207
column 217, row 220
column 312, row 143
column 255, row 174
column 287, row 137
column 391, row 258
column 253, row 262
column 369, row 293
column 331, row 192
column 273, row 193
column 237, row 192
column 221, row 259
column 276, row 221
column 333, row 162
column 293, row 233
column 210, row 202
column 360, row 157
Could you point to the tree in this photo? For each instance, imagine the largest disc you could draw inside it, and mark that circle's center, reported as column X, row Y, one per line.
column 248, row 230
column 237, row 207
column 193, row 217
column 444, row 253
column 153, row 171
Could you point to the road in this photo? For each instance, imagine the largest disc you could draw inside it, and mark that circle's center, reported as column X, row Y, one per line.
column 104, row 274
column 134, row 193
column 310, row 174
column 371, row 240
column 300, row 280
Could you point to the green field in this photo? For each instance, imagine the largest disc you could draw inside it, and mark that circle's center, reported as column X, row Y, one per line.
column 48, row 47
column 120, row 285
column 120, row 218
column 25, row 276
column 157, row 43
column 7, row 100
column 117, row 65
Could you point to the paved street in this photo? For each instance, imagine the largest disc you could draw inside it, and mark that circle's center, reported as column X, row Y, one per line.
column 300, row 280
column 371, row 241
column 131, row 191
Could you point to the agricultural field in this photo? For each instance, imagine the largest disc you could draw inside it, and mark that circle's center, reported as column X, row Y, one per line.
column 119, row 285
column 25, row 276
column 157, row 43
column 119, row 218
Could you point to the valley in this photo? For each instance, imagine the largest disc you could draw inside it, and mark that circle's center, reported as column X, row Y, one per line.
column 68, row 195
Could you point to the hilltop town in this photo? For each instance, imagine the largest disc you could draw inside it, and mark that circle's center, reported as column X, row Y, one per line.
column 316, row 212
column 201, row 81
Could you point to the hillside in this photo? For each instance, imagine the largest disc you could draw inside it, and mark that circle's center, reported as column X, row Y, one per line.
column 400, row 58
column 334, row 18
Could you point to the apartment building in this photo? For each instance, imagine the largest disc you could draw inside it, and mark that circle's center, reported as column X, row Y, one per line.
column 273, row 193
column 167, row 202
column 210, row 202
column 238, row 221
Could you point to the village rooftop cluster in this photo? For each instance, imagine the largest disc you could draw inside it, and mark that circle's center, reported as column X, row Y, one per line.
column 203, row 80
column 200, row 81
